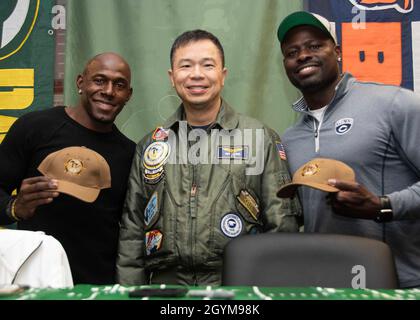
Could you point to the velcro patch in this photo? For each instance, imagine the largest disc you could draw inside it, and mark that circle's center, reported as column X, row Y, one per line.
column 151, row 209
column 249, row 203
column 237, row 152
column 153, row 241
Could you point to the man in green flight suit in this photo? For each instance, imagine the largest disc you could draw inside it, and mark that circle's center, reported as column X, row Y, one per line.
column 207, row 176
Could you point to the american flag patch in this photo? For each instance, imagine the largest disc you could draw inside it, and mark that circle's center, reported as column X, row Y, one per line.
column 281, row 150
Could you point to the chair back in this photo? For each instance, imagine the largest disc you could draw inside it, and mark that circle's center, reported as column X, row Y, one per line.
column 308, row 259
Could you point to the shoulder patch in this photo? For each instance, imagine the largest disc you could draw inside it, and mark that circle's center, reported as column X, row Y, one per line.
column 160, row 134
column 281, row 151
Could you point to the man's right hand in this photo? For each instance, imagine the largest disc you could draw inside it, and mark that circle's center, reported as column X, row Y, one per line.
column 34, row 192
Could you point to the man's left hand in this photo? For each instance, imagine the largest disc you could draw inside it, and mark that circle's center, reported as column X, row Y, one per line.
column 354, row 200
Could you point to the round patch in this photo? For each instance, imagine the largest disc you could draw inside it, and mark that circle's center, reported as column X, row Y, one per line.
column 231, row 225
column 156, row 154
column 310, row 169
column 73, row 166
column 343, row 126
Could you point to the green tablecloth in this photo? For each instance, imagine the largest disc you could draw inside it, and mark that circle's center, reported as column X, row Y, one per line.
column 117, row 292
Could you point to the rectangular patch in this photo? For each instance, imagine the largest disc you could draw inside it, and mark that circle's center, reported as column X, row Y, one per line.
column 237, row 152
column 153, row 240
column 151, row 209
column 281, row 151
column 249, row 203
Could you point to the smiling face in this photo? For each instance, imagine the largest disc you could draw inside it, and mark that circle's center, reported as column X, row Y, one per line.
column 310, row 59
column 198, row 75
column 105, row 86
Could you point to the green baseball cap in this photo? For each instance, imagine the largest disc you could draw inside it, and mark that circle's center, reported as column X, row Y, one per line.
column 301, row 18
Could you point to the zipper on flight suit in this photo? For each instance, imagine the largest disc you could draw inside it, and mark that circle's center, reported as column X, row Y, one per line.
column 193, row 216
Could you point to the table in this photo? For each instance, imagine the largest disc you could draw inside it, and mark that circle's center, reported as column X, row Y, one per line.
column 117, row 292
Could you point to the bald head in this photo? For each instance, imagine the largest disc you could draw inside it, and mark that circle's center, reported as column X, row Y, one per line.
column 111, row 60
column 104, row 88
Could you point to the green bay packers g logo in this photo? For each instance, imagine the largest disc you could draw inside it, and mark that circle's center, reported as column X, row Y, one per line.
column 17, row 20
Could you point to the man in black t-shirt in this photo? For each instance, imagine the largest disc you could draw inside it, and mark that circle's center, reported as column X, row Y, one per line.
column 88, row 231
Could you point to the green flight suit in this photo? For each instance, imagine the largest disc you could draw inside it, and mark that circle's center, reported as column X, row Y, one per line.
column 177, row 221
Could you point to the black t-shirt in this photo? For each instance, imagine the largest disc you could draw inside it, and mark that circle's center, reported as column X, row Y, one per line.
column 88, row 231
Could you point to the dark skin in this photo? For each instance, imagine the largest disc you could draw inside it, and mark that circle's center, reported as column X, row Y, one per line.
column 354, row 200
column 104, row 88
column 311, row 63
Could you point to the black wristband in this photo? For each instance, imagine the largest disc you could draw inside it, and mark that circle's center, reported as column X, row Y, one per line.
column 385, row 214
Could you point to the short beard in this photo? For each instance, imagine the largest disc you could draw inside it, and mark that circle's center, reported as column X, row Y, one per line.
column 315, row 85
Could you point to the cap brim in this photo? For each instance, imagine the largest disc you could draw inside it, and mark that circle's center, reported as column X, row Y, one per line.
column 289, row 190
column 83, row 193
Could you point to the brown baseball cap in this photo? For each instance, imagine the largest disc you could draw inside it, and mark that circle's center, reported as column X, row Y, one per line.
column 80, row 171
column 315, row 174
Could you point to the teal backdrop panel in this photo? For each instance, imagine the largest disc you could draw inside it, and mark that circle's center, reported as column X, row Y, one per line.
column 143, row 31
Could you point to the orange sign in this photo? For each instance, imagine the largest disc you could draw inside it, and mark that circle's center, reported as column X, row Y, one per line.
column 373, row 53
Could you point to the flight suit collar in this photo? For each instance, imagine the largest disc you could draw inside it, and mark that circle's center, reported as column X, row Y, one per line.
column 226, row 119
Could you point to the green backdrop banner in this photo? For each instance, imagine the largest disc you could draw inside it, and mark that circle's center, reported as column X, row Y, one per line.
column 26, row 58
column 143, row 32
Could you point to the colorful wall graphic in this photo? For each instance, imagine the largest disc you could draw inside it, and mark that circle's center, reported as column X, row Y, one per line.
column 380, row 39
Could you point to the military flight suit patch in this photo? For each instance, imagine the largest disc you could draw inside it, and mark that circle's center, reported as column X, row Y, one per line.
column 156, row 155
column 237, row 152
column 154, row 180
column 281, row 151
column 153, row 240
column 231, row 225
column 150, row 172
column 160, row 134
column 151, row 210
column 154, row 158
column 249, row 203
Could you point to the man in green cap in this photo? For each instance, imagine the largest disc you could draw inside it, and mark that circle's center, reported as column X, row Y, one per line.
column 371, row 127
column 192, row 187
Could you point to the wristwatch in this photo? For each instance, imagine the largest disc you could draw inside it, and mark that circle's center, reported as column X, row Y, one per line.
column 385, row 214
